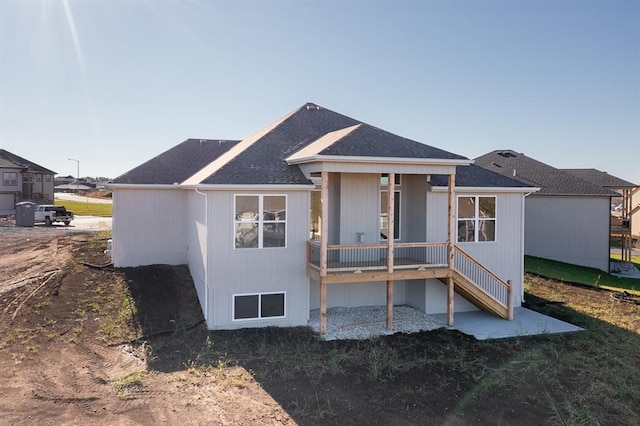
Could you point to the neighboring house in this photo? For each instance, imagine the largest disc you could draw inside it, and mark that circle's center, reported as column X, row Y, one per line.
column 320, row 210
column 568, row 220
column 22, row 179
column 625, row 223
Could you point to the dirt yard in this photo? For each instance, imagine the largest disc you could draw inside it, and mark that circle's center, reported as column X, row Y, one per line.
column 87, row 345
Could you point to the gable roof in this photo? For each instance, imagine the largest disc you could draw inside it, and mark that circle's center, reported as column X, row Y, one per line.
column 264, row 160
column 11, row 160
column 603, row 179
column 550, row 180
column 177, row 163
column 473, row 176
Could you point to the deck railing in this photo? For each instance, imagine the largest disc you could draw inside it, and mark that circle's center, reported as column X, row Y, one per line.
column 370, row 257
column 483, row 278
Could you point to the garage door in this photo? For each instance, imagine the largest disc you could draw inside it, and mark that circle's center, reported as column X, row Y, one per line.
column 7, row 202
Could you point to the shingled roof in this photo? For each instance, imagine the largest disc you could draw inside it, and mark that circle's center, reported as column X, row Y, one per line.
column 602, row 179
column 177, row 163
column 473, row 176
column 11, row 160
column 260, row 159
column 263, row 162
column 550, row 180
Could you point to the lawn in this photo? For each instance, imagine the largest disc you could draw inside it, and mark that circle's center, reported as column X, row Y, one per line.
column 86, row 209
column 579, row 275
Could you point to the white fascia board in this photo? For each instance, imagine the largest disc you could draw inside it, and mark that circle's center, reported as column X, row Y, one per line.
column 321, row 144
column 255, row 187
column 141, row 186
column 377, row 160
column 236, row 150
column 486, row 190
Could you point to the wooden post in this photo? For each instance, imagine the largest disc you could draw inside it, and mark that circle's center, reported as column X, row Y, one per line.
column 323, row 307
column 510, row 315
column 451, row 233
column 391, row 181
column 324, row 236
column 324, row 201
column 389, row 304
column 450, row 301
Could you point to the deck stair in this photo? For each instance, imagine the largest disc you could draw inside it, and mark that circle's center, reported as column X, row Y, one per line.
column 480, row 286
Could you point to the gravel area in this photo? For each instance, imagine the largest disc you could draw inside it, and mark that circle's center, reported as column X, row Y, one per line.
column 370, row 321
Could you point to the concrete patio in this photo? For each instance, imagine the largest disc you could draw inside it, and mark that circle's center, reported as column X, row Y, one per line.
column 369, row 322
column 483, row 326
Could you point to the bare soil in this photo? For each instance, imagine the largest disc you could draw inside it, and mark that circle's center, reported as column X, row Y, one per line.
column 86, row 345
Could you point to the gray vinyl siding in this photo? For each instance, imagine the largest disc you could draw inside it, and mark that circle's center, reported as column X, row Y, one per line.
column 504, row 257
column 414, row 204
column 149, row 227
column 569, row 229
column 197, row 244
column 359, row 208
column 241, row 271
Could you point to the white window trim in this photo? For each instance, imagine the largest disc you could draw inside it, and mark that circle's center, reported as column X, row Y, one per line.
column 261, row 221
column 10, row 181
column 477, row 219
column 259, row 317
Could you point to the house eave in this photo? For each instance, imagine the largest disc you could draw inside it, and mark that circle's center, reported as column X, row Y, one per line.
column 248, row 187
column 112, row 186
column 488, row 189
column 377, row 160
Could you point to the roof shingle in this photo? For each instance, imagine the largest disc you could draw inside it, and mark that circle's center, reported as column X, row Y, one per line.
column 177, row 163
column 11, row 160
column 550, row 180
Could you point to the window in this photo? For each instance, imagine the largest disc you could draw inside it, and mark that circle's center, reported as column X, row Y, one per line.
column 38, row 177
column 315, row 216
column 260, row 221
column 10, row 178
column 384, row 220
column 260, row 305
column 47, row 178
column 476, row 219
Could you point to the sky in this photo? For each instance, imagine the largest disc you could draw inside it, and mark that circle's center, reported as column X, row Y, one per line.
column 115, row 83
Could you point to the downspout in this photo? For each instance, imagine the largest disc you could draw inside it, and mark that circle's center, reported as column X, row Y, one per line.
column 206, row 253
column 522, row 249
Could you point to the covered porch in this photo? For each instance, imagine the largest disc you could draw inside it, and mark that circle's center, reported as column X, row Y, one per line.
column 392, row 259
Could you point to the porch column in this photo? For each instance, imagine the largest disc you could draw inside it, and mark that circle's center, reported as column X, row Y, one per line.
column 451, row 235
column 390, row 237
column 324, row 236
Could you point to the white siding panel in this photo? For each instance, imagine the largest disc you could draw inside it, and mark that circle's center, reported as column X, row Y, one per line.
column 359, row 208
column 359, row 294
column 197, row 244
column 504, row 257
column 149, row 227
column 568, row 229
column 257, row 270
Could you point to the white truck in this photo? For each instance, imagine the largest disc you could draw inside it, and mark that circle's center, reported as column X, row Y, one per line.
column 49, row 213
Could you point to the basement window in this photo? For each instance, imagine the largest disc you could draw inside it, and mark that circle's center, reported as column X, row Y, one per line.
column 259, row 305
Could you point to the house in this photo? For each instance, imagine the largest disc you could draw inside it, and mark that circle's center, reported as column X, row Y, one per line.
column 568, row 220
column 625, row 222
column 23, row 180
column 320, row 210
